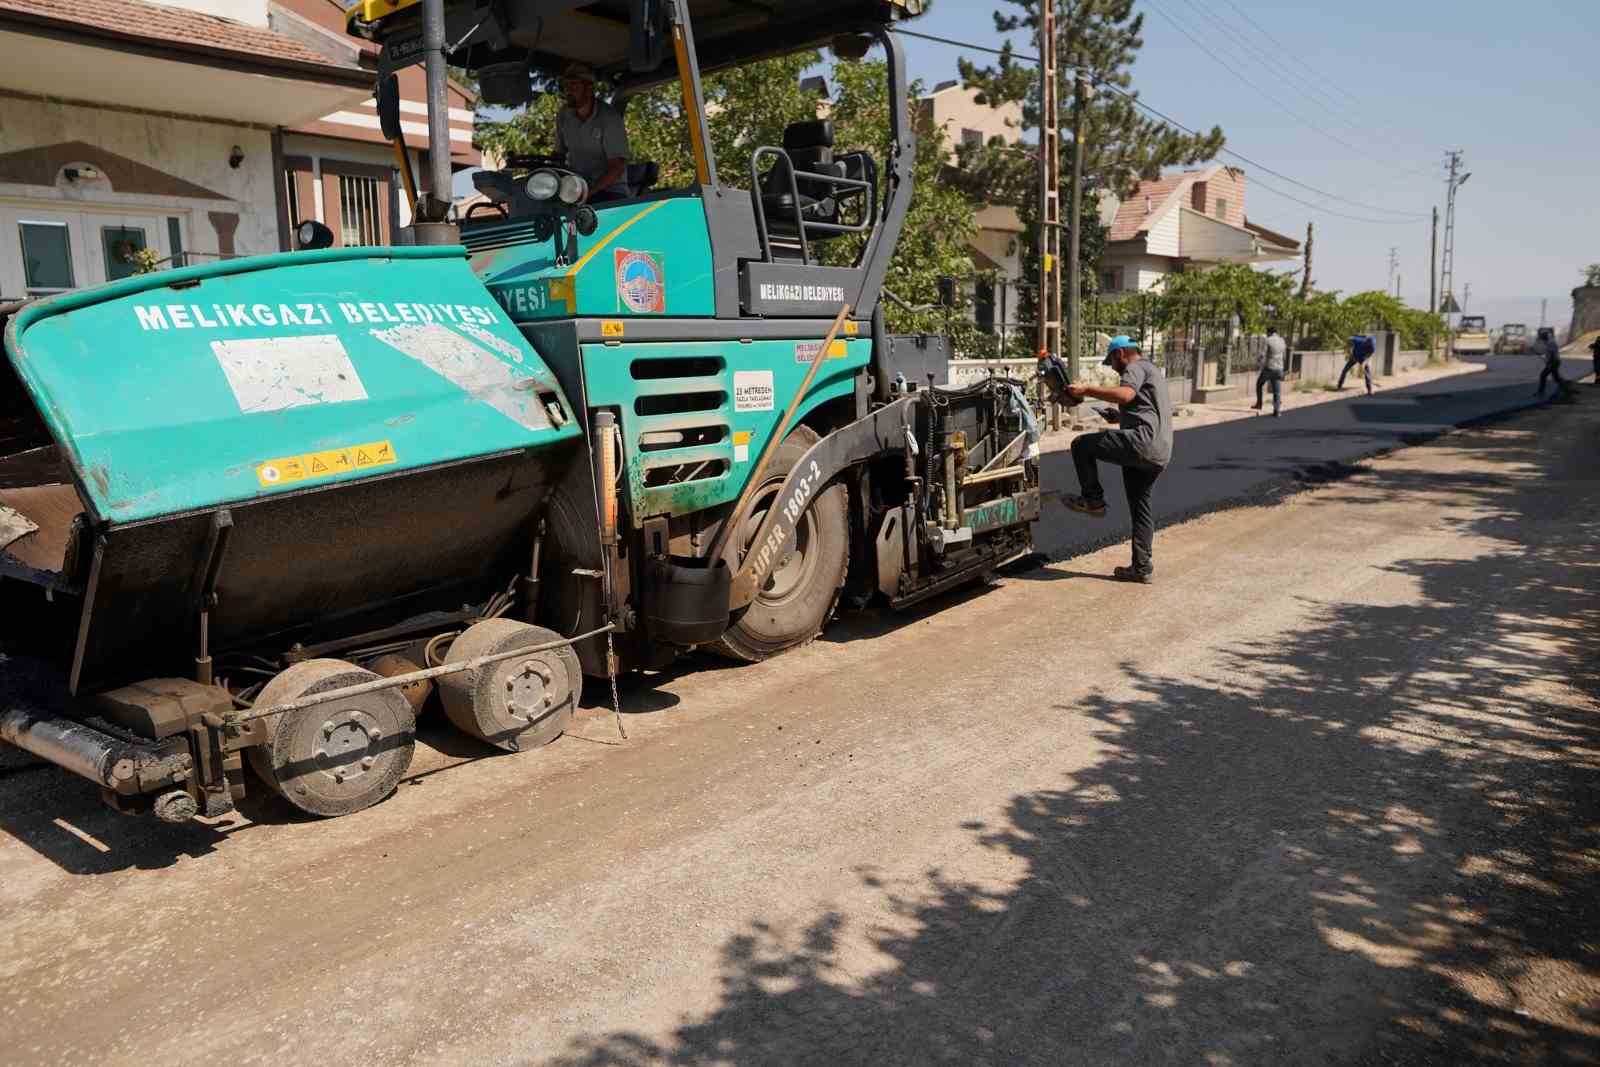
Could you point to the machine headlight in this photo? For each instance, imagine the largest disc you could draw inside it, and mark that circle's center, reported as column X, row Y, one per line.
column 544, row 184
column 574, row 190
column 313, row 234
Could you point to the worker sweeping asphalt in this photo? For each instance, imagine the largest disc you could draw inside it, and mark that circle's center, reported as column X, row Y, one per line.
column 1361, row 349
column 1142, row 447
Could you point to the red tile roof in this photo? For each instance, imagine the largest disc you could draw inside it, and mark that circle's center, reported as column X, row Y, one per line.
column 181, row 30
column 1131, row 215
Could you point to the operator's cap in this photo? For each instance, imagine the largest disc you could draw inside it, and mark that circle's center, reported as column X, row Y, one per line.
column 1118, row 343
column 576, row 71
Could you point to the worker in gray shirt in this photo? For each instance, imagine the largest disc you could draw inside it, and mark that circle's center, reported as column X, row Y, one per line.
column 1142, row 447
column 590, row 134
column 1272, row 372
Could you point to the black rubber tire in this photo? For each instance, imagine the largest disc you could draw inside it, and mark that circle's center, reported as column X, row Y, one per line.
column 791, row 612
column 300, row 759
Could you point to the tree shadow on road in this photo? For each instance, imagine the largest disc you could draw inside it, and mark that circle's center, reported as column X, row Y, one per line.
column 1373, row 840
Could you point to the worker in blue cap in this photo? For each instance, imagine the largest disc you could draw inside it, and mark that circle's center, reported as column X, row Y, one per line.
column 1141, row 446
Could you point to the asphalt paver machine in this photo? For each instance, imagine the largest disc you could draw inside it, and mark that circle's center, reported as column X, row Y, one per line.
column 266, row 512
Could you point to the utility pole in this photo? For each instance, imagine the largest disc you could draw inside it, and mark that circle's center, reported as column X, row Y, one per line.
column 1447, row 274
column 1305, row 279
column 1080, row 101
column 1544, row 305
column 1433, row 265
column 1394, row 261
column 1049, row 297
column 1466, row 297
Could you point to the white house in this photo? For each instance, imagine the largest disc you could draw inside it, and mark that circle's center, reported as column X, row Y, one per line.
column 196, row 129
column 1193, row 218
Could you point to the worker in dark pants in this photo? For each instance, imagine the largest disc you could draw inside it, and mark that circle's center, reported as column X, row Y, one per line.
column 1594, row 346
column 1546, row 346
column 1272, row 362
column 1142, row 447
column 1361, row 349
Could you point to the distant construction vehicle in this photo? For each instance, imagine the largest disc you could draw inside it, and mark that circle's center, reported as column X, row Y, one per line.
column 1513, row 340
column 1472, row 336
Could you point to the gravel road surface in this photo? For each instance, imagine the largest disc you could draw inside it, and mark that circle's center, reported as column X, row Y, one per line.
column 1327, row 793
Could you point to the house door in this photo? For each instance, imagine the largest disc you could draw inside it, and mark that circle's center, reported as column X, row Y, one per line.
column 46, row 250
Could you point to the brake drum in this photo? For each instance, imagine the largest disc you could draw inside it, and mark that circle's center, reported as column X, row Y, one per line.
column 518, row 703
column 339, row 757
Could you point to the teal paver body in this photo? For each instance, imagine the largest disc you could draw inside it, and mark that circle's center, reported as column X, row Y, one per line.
column 643, row 260
column 742, row 392
column 653, row 260
column 192, row 388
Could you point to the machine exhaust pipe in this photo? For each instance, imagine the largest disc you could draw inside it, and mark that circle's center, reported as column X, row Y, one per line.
column 89, row 753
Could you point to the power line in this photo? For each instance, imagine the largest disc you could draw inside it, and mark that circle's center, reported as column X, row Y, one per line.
column 1280, row 46
column 1298, row 80
column 1280, row 105
column 1241, row 157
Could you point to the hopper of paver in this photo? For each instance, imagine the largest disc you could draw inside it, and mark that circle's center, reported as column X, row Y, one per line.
column 284, row 452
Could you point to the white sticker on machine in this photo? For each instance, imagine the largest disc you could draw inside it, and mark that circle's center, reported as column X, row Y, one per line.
column 277, row 373
column 752, row 390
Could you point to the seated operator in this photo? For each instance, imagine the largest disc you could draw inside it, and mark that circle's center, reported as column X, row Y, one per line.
column 590, row 134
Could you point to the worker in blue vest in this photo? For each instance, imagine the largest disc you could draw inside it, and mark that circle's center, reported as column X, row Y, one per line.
column 1361, row 349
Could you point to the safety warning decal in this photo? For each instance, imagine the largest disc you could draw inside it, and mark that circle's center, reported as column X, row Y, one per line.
column 641, row 282
column 741, row 446
column 326, row 464
column 752, row 390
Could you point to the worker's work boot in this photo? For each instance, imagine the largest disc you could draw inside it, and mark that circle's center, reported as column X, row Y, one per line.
column 1128, row 574
column 1097, row 508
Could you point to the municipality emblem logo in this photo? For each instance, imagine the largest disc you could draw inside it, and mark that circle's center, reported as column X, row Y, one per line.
column 641, row 283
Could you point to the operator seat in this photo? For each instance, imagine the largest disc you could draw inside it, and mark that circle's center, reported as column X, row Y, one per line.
column 808, row 147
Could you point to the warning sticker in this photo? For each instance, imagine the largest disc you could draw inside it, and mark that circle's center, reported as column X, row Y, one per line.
column 806, row 351
column 752, row 390
column 613, row 328
column 741, row 446
column 329, row 463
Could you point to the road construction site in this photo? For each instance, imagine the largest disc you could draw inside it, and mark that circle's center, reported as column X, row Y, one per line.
column 1328, row 792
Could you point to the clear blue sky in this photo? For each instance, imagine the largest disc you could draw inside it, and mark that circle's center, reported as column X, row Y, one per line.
column 1515, row 86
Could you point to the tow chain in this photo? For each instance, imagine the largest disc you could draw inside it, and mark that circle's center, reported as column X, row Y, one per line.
column 611, row 669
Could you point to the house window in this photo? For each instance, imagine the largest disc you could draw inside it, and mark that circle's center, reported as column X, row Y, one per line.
column 291, row 198
column 1222, row 208
column 972, row 138
column 175, row 242
column 1111, row 280
column 359, row 211
column 46, row 257
column 983, row 305
column 120, row 243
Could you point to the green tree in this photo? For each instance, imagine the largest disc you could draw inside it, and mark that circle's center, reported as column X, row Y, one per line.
column 1121, row 146
column 1591, row 274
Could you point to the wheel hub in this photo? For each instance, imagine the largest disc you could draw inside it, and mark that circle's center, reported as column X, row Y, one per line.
column 347, row 747
column 530, row 692
column 790, row 571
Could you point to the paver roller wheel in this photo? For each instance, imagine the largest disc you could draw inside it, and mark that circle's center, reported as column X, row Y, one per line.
column 803, row 589
column 339, row 757
column 518, row 703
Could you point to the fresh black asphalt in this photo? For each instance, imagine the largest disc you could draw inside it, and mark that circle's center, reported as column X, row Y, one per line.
column 1248, row 459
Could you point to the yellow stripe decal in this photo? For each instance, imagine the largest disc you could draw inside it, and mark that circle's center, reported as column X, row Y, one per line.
column 612, row 236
